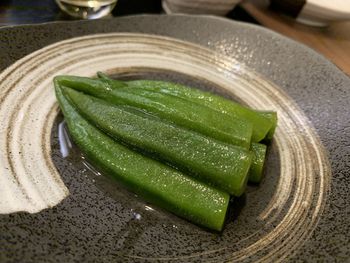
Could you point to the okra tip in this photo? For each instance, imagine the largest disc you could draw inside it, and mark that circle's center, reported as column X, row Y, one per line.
column 102, row 75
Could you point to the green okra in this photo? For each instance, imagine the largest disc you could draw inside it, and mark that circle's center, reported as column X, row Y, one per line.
column 272, row 116
column 183, row 113
column 156, row 182
column 264, row 123
column 256, row 169
column 220, row 164
column 260, row 125
column 148, row 91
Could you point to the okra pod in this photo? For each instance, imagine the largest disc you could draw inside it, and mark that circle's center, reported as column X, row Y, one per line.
column 272, row 116
column 264, row 123
column 183, row 113
column 256, row 169
column 156, row 182
column 220, row 164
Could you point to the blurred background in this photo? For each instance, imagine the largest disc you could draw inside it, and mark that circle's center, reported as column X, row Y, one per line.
column 320, row 24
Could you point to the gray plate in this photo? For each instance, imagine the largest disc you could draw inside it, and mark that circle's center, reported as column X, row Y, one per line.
column 99, row 222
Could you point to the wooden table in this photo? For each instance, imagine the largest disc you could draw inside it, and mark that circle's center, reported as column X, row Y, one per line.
column 333, row 41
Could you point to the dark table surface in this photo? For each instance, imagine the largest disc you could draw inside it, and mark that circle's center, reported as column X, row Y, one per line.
column 16, row 12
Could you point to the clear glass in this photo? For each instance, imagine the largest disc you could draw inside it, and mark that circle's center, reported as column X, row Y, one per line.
column 87, row 9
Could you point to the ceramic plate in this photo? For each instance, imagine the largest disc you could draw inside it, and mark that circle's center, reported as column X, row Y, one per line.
column 58, row 209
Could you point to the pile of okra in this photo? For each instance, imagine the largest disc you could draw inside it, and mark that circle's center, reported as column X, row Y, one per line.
column 180, row 148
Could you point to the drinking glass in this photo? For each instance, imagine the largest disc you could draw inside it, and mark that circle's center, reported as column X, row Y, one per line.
column 87, row 9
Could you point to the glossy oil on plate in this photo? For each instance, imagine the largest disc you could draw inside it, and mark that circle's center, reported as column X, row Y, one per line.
column 57, row 209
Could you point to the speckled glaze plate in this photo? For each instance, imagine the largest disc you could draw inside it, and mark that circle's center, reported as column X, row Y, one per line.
column 56, row 209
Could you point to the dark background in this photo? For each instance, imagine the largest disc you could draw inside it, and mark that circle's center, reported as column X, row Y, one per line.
column 15, row 12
